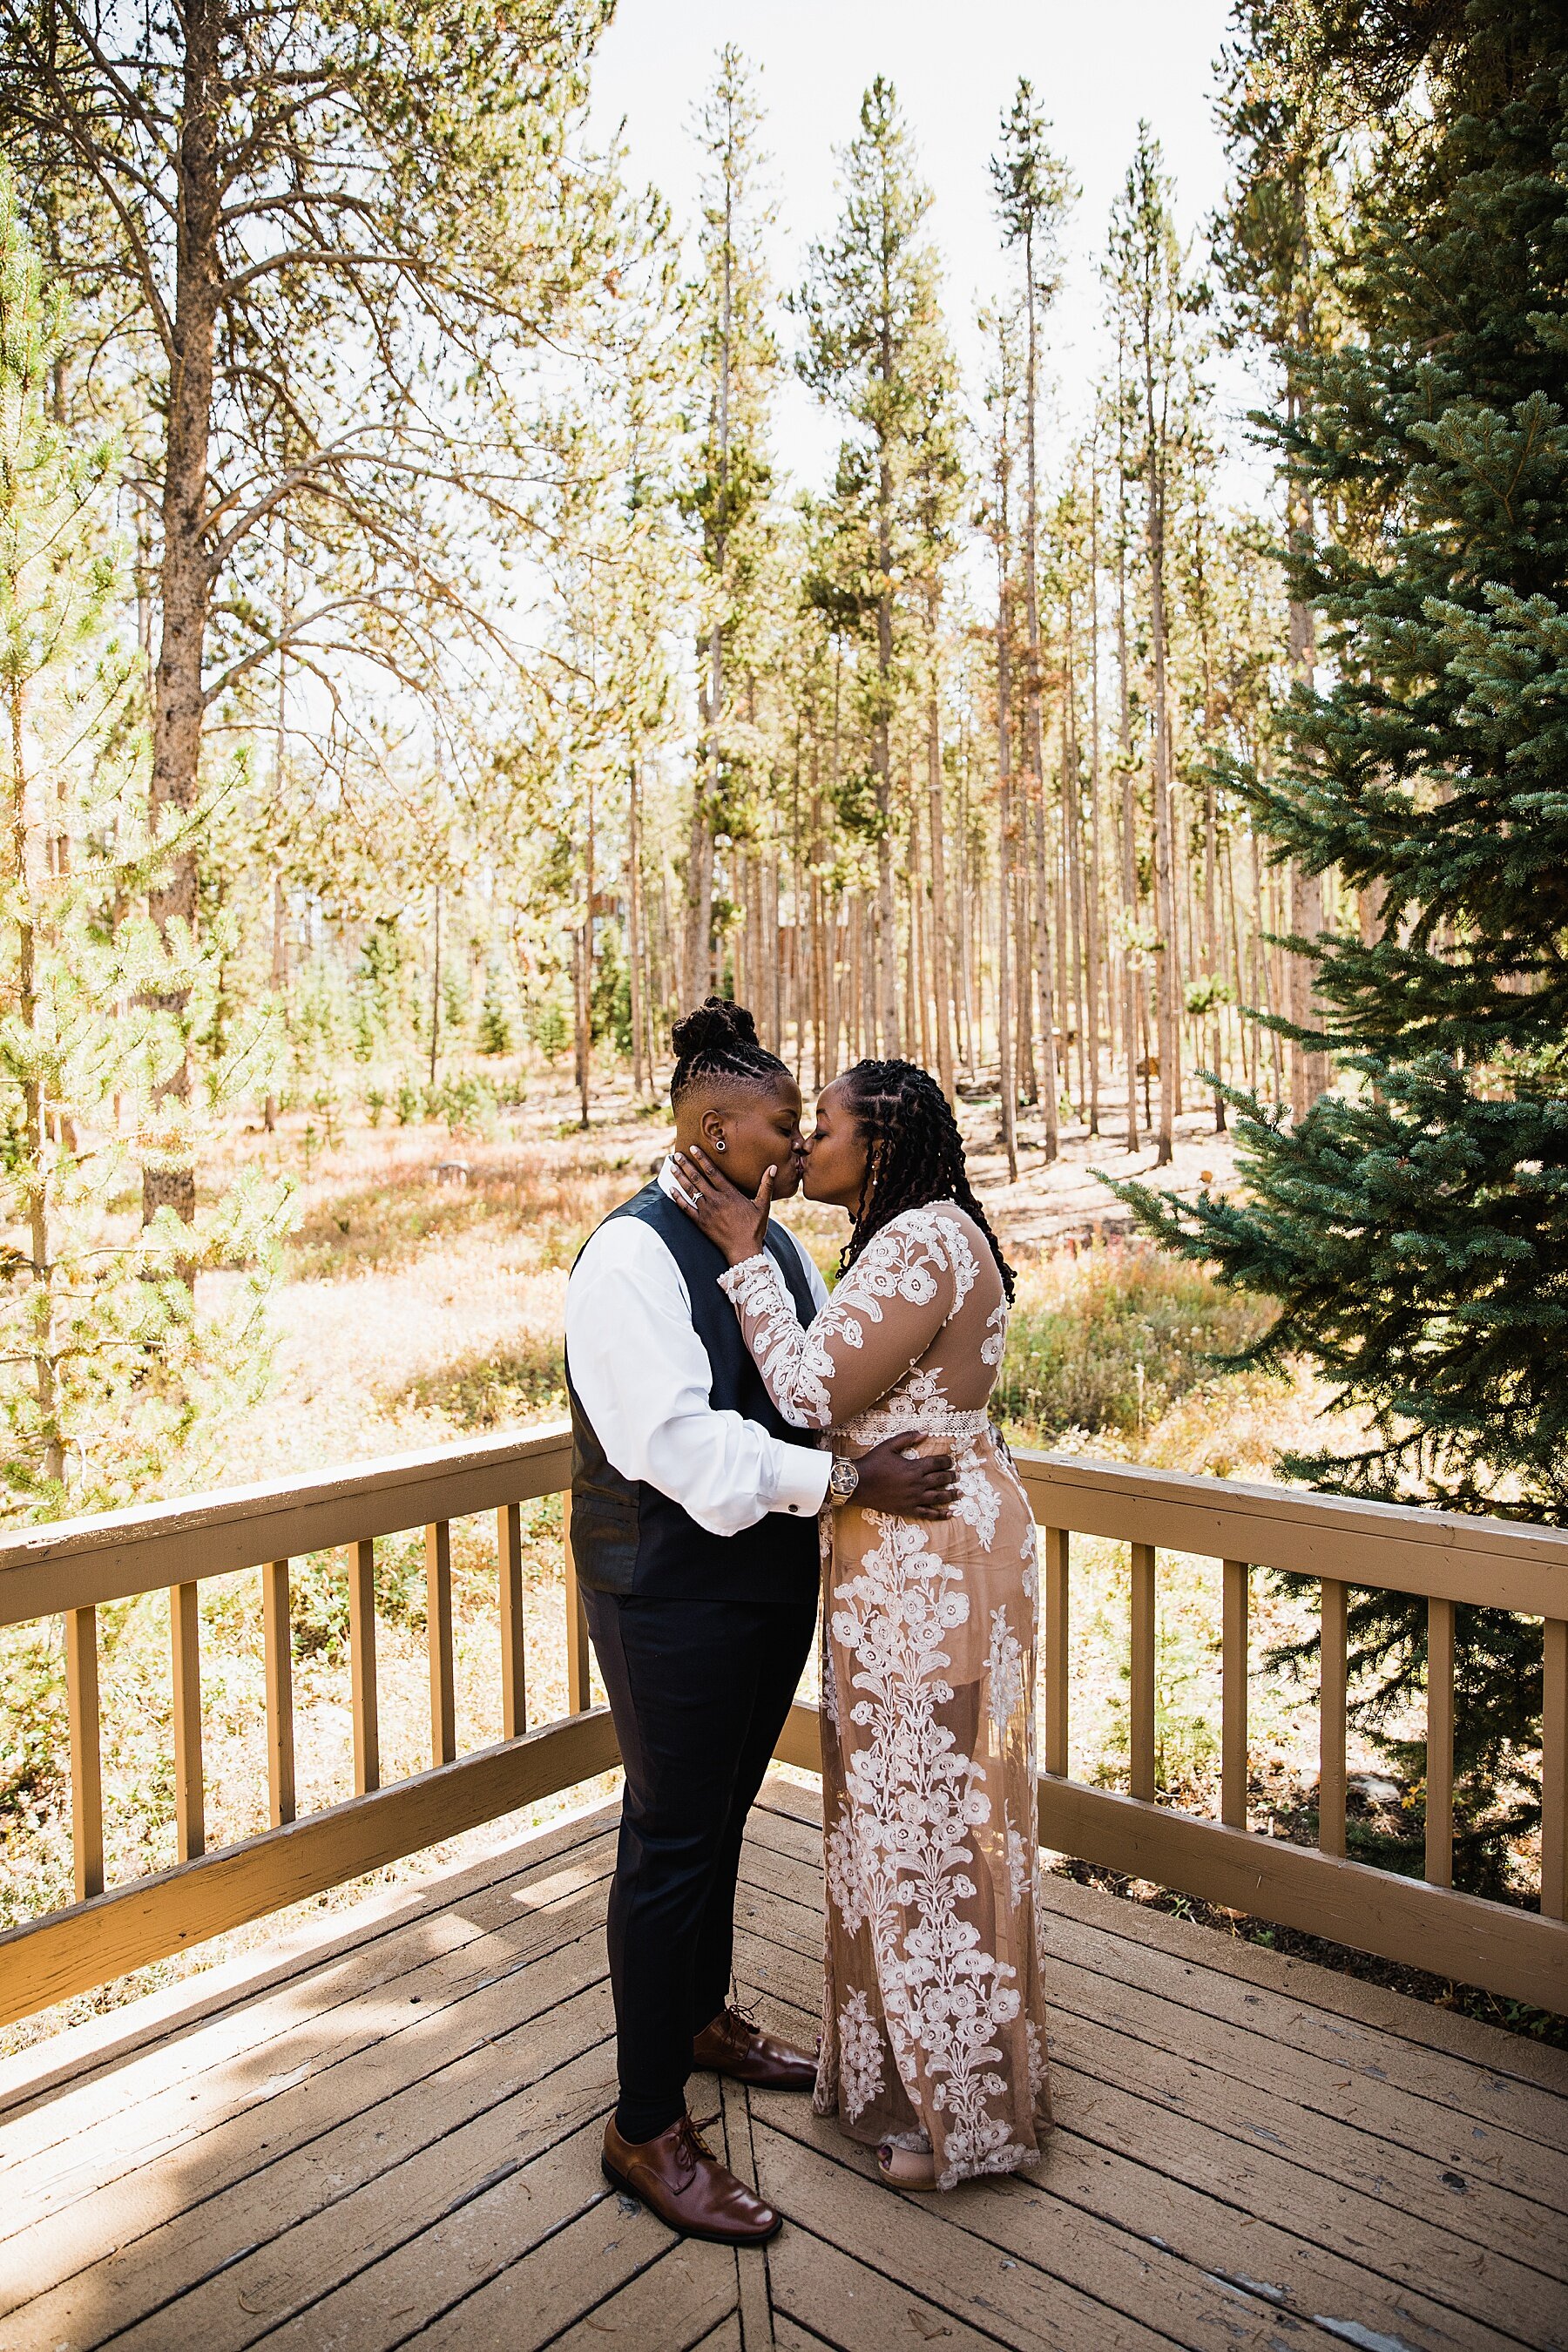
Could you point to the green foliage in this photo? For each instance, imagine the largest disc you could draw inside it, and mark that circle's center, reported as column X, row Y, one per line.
column 611, row 1012
column 108, row 1370
column 1412, row 1228
column 495, row 1020
column 551, row 1028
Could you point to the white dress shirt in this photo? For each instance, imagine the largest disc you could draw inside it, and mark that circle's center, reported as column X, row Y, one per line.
column 642, row 1378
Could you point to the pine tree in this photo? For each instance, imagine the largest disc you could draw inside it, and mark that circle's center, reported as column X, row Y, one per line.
column 1033, row 191
column 876, row 348
column 1413, row 1225
column 107, row 1368
column 735, row 365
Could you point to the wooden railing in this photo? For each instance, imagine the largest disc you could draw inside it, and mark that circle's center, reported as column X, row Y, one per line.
column 71, row 1568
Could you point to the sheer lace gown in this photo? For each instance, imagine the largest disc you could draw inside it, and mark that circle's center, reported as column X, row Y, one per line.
column 934, row 2025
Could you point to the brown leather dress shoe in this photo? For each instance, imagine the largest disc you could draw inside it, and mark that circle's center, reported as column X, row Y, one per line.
column 678, row 2178
column 733, row 2046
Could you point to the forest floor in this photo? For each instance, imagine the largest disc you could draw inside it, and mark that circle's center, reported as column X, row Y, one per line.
column 422, row 1301
column 426, row 1283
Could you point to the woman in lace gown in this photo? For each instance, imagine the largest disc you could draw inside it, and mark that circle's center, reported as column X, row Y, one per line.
column 934, row 2025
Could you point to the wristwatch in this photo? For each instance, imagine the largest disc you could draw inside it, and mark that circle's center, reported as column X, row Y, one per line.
column 843, row 1479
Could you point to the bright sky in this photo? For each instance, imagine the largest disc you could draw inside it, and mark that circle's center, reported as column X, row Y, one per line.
column 1097, row 66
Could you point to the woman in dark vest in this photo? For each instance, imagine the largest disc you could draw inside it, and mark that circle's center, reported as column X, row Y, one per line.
column 694, row 1529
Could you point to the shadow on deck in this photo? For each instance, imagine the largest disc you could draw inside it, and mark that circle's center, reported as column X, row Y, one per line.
column 391, row 2138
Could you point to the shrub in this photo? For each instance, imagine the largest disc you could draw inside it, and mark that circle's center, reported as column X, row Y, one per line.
column 1110, row 1339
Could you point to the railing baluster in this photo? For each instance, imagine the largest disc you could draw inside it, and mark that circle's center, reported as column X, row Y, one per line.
column 361, row 1667
column 1440, row 1742
column 438, row 1622
column 578, row 1654
column 1233, row 1694
column 86, row 1770
column 1054, row 1636
column 513, row 1653
column 190, row 1795
column 1554, row 1774
column 1141, row 1697
column 278, row 1645
column 1333, row 1657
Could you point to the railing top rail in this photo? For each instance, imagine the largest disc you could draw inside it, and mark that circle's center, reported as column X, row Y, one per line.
column 72, row 1563
column 1403, row 1547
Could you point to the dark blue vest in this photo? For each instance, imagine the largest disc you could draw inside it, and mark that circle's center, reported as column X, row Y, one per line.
column 626, row 1537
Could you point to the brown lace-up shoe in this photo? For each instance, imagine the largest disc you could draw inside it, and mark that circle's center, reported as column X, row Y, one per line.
column 735, row 2044
column 681, row 2180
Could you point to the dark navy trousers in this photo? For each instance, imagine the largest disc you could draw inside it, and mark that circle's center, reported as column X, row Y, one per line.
column 699, row 1691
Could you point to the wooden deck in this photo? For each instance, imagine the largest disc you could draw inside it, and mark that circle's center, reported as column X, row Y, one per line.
column 391, row 2138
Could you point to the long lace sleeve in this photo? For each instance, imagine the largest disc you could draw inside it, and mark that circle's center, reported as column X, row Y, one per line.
column 907, row 1282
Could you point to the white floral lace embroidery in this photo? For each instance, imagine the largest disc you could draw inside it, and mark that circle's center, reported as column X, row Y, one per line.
column 843, row 1868
column 907, row 1260
column 1017, row 1861
column 1037, row 2060
column 859, row 2055
column 916, row 1800
column 1004, row 1672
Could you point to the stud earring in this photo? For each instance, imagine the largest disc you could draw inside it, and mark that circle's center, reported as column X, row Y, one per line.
column 718, row 1143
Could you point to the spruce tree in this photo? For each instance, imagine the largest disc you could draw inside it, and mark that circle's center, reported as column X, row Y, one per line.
column 1413, row 1225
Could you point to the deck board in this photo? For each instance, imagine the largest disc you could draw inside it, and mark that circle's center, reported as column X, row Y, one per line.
column 392, row 2138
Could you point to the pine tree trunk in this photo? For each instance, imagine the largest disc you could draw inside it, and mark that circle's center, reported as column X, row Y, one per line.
column 1049, row 1083
column 1129, row 987
column 1165, row 960
column 940, row 955
column 1095, row 932
column 1006, row 1080
column 41, row 1340
column 186, row 588
column 635, row 926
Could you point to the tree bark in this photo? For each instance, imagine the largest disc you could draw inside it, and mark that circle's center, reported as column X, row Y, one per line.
column 941, row 952
column 1049, row 1080
column 185, row 586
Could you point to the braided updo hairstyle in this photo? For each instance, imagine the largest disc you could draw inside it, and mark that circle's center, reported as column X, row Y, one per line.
column 914, row 1153
column 719, row 1041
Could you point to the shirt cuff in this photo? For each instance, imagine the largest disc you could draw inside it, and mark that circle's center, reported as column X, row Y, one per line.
column 801, row 1487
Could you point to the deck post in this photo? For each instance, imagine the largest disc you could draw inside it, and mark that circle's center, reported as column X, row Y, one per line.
column 513, row 1647
column 1439, row 1864
column 1232, row 1694
column 86, row 1766
column 1141, row 1697
column 190, row 1796
column 278, row 1644
column 1333, row 1657
column 1054, row 1636
column 578, row 1656
column 361, row 1667
column 1554, row 1774
column 439, row 1630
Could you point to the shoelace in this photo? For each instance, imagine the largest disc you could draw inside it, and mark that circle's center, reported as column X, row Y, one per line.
column 746, row 2017
column 690, row 2147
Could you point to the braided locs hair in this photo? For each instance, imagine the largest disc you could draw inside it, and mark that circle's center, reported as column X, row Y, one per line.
column 719, row 1041
column 914, row 1153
